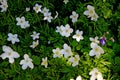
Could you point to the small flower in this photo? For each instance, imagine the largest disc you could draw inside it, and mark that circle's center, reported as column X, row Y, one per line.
column 60, row 29
column 34, row 44
column 13, row 38
column 66, row 1
column 91, row 13
column 9, row 53
column 95, row 74
column 26, row 62
column 66, row 51
column 96, row 50
column 57, row 53
column 67, row 30
column 95, row 40
column 37, row 8
column 74, row 16
column 103, row 40
column 44, row 62
column 3, row 5
column 74, row 60
column 78, row 35
column 45, row 11
column 35, row 35
column 48, row 17
column 27, row 9
column 22, row 23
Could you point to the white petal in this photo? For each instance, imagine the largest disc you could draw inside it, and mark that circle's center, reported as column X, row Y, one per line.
column 79, row 78
column 3, row 55
column 11, row 60
column 22, row 62
column 91, row 53
column 31, row 65
column 24, row 66
column 86, row 12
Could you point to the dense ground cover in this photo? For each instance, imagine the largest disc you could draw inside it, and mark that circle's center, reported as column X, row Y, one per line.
column 59, row 40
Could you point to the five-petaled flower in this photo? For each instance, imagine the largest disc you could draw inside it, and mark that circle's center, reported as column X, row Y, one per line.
column 37, row 8
column 95, row 40
column 95, row 74
column 26, row 62
column 66, row 51
column 57, row 53
column 78, row 36
column 22, row 23
column 74, row 60
column 13, row 38
column 35, row 35
column 34, row 44
column 96, row 50
column 44, row 62
column 74, row 16
column 9, row 53
column 91, row 13
column 48, row 17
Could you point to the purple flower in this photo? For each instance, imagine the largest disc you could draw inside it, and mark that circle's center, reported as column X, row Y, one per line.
column 103, row 40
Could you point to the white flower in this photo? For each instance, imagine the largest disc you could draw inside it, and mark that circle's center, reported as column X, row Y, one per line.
column 45, row 11
column 57, row 53
column 22, row 23
column 48, row 17
column 13, row 38
column 34, row 44
column 60, row 29
column 96, row 50
column 27, row 9
column 3, row 5
column 78, row 35
column 44, row 62
column 35, row 35
column 78, row 78
column 66, row 51
column 66, row 1
column 74, row 16
column 90, row 12
column 95, row 40
column 9, row 53
column 26, row 62
column 74, row 60
column 95, row 74
column 67, row 31
column 37, row 8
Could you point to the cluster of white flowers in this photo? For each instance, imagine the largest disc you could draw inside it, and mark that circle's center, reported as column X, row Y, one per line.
column 95, row 74
column 35, row 35
column 64, row 30
column 3, row 5
column 44, row 11
column 22, row 23
column 67, row 53
column 91, row 13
